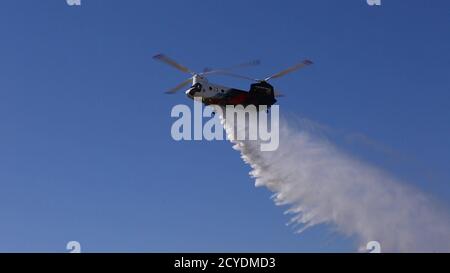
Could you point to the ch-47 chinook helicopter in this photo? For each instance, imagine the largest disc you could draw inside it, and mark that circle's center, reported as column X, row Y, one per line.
column 260, row 93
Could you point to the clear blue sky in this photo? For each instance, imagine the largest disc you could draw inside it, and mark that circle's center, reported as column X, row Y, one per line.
column 85, row 146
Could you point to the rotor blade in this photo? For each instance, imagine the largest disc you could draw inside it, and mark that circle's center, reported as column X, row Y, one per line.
column 178, row 87
column 289, row 70
column 163, row 58
column 207, row 70
column 236, row 76
column 246, row 64
column 278, row 94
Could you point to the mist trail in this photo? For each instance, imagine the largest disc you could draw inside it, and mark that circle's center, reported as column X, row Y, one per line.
column 322, row 185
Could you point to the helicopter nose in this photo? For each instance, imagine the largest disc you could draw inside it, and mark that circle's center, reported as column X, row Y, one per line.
column 191, row 92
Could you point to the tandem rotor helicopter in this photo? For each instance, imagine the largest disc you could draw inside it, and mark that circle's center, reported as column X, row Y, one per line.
column 260, row 93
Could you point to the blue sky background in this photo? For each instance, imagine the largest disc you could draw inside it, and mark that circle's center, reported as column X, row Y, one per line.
column 85, row 146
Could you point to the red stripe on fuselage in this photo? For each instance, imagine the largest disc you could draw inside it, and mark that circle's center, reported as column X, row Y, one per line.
column 238, row 99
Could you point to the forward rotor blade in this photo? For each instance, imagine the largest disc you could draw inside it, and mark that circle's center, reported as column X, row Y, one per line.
column 207, row 70
column 289, row 70
column 163, row 58
column 178, row 87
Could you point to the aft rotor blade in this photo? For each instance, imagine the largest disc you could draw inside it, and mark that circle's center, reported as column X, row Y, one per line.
column 246, row 64
column 178, row 87
column 163, row 58
column 242, row 65
column 289, row 70
column 237, row 76
column 278, row 94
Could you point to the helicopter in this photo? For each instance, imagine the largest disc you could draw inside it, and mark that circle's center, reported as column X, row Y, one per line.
column 260, row 92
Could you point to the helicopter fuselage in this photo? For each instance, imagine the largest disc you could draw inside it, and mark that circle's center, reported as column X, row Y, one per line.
column 260, row 93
